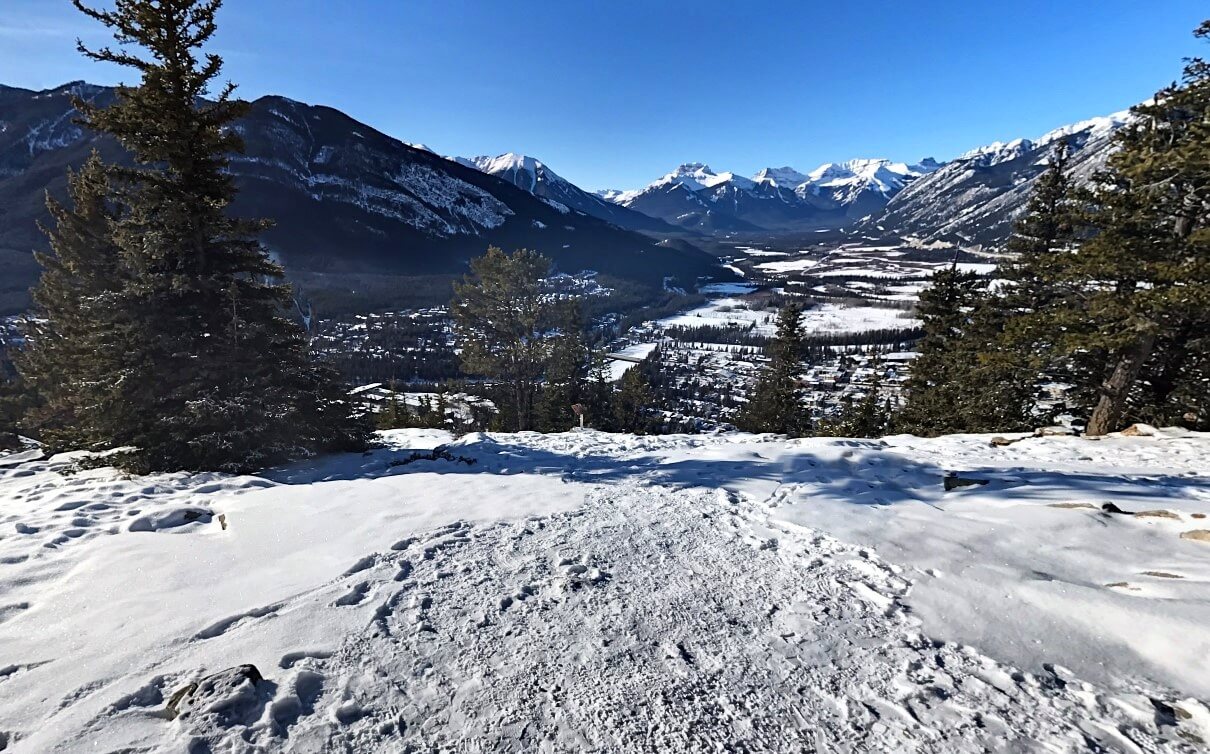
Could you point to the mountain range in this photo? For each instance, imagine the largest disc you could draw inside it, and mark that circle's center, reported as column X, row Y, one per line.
column 350, row 200
column 346, row 199
column 695, row 197
column 971, row 200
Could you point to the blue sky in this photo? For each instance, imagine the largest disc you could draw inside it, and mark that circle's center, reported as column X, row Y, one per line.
column 614, row 94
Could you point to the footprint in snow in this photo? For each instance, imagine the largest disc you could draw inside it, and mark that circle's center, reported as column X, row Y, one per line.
column 360, row 565
column 355, row 595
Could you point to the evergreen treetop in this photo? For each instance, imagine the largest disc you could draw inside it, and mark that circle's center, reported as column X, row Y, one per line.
column 502, row 316
column 775, row 403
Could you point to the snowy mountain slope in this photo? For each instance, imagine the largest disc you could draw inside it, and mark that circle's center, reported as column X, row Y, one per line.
column 346, row 198
column 592, row 592
column 975, row 198
column 532, row 175
column 783, row 177
column 861, row 184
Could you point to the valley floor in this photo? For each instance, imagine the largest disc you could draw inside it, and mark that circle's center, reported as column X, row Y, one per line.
column 611, row 593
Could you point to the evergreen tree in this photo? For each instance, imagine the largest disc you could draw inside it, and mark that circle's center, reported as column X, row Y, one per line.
column 775, row 403
column 1141, row 285
column 869, row 417
column 599, row 396
column 632, row 404
column 567, row 371
column 440, row 409
column 1023, row 323
column 501, row 318
column 79, row 345
column 395, row 415
column 960, row 382
column 13, row 405
column 1176, row 390
column 1046, row 231
column 214, row 374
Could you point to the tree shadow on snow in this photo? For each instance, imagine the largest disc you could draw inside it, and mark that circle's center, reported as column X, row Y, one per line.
column 859, row 472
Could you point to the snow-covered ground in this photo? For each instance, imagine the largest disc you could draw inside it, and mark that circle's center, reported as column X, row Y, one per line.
column 837, row 318
column 595, row 592
column 723, row 312
column 821, row 318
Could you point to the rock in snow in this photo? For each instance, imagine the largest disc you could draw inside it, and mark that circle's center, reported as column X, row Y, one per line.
column 597, row 592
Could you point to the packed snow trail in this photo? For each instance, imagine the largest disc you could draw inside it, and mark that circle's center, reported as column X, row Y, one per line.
column 589, row 592
column 654, row 620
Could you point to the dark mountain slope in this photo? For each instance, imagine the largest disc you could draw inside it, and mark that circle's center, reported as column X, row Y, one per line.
column 346, row 198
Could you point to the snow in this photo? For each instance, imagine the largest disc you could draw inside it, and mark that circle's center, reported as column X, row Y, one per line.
column 694, row 176
column 829, row 318
column 999, row 151
column 880, row 175
column 791, row 265
column 844, row 181
column 509, row 161
column 619, row 367
column 594, row 592
column 427, row 199
column 783, row 177
column 610, row 195
column 761, row 252
column 1094, row 127
column 722, row 312
column 822, row 318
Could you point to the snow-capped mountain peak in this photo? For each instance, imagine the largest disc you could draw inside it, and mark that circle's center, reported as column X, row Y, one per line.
column 845, row 180
column 695, row 195
column 609, row 195
column 997, row 152
column 692, row 175
column 505, row 162
column 521, row 170
column 783, row 177
column 1092, row 128
column 732, row 179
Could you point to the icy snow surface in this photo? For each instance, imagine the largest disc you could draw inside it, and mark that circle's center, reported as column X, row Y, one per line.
column 594, row 592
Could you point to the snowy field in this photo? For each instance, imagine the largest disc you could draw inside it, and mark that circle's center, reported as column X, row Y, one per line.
column 822, row 318
column 618, row 367
column 611, row 593
column 723, row 312
column 791, row 266
column 834, row 318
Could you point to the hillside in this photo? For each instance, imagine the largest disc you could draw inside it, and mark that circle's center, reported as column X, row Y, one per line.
column 975, row 198
column 595, row 592
column 347, row 199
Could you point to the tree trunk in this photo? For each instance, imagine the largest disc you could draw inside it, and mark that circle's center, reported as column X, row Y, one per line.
column 519, row 399
column 1114, row 391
